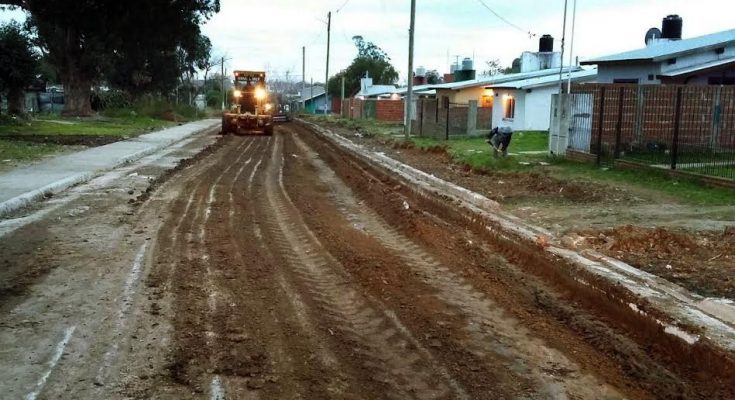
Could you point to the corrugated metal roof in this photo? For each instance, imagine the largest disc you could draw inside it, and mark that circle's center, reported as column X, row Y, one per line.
column 531, row 83
column 308, row 94
column 377, row 90
column 699, row 67
column 500, row 79
column 416, row 89
column 663, row 50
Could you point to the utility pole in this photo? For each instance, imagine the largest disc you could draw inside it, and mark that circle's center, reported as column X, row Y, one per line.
column 409, row 93
column 571, row 49
column 224, row 94
column 342, row 98
column 303, row 76
column 559, row 110
column 326, row 80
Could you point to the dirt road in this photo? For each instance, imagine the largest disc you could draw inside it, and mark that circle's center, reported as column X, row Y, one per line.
column 280, row 268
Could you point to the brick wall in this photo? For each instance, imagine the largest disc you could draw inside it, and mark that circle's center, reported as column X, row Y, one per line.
column 389, row 110
column 707, row 114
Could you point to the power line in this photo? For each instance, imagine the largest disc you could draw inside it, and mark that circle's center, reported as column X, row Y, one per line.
column 342, row 6
column 500, row 17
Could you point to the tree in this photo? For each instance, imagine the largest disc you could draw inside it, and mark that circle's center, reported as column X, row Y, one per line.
column 433, row 77
column 370, row 59
column 132, row 43
column 18, row 64
column 493, row 68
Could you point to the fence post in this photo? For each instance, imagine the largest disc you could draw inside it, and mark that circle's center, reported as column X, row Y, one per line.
column 421, row 121
column 716, row 121
column 472, row 117
column 446, row 131
column 619, row 124
column 639, row 106
column 677, row 121
column 601, row 123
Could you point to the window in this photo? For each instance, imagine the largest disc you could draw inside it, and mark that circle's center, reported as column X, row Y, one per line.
column 634, row 81
column 509, row 107
column 671, row 61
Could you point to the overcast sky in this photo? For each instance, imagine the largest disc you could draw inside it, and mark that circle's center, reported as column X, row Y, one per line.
column 269, row 34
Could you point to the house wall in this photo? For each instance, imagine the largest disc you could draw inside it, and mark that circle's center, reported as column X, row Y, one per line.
column 608, row 73
column 518, row 122
column 461, row 96
column 698, row 58
column 538, row 108
column 641, row 71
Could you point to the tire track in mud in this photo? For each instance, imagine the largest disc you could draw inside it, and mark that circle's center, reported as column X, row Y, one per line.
column 294, row 308
column 488, row 329
column 386, row 345
column 603, row 338
column 184, row 273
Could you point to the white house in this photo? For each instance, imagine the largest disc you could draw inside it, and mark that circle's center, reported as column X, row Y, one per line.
column 525, row 104
column 368, row 90
column 668, row 59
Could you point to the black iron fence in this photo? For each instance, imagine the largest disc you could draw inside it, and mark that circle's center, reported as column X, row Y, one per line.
column 686, row 128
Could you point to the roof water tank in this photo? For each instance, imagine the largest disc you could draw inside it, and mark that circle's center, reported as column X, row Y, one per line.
column 467, row 64
column 420, row 71
column 546, row 44
column 672, row 26
column 453, row 67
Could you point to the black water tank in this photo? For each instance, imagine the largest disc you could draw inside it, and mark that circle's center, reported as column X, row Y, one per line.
column 546, row 44
column 671, row 28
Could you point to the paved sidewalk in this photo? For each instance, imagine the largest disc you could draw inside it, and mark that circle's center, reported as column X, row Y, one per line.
column 27, row 184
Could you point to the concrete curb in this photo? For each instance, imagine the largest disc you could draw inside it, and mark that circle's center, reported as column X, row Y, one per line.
column 54, row 188
column 715, row 317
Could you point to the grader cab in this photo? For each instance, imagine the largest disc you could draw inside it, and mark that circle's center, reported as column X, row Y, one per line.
column 250, row 112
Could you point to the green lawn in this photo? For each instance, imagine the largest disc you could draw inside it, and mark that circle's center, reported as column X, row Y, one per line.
column 475, row 152
column 685, row 190
column 24, row 151
column 120, row 126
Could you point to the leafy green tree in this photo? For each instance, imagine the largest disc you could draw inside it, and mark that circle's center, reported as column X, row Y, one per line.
column 130, row 43
column 18, row 65
column 433, row 77
column 370, row 59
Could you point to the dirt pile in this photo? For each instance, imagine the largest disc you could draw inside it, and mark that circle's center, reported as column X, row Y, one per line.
column 702, row 262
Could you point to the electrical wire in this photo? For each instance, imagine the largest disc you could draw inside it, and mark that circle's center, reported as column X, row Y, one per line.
column 500, row 17
column 342, row 6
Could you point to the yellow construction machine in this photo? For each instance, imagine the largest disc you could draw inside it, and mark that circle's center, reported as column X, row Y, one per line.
column 250, row 112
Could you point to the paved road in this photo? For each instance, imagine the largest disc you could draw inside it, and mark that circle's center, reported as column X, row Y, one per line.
column 280, row 268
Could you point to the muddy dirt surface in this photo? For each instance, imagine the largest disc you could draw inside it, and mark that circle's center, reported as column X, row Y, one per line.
column 280, row 268
column 645, row 219
column 703, row 263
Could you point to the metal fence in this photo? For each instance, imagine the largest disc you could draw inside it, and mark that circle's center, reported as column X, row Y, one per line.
column 687, row 128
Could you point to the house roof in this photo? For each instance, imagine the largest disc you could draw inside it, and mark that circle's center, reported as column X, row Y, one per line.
column 308, row 94
column 377, row 90
column 497, row 79
column 699, row 67
column 548, row 80
column 664, row 50
column 416, row 89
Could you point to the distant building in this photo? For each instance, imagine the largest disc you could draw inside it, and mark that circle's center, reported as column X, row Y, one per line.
column 668, row 59
column 314, row 99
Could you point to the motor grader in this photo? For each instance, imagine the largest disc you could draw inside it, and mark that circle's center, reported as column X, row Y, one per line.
column 250, row 112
